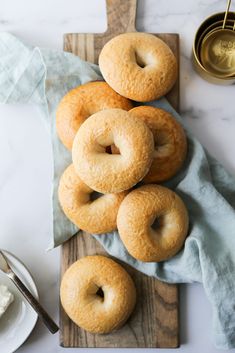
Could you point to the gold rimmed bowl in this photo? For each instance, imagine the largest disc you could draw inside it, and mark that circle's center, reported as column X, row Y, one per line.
column 214, row 49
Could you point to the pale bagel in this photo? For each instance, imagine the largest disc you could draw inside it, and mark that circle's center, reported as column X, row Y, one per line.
column 138, row 66
column 97, row 294
column 110, row 173
column 170, row 143
column 81, row 102
column 138, row 212
column 97, row 216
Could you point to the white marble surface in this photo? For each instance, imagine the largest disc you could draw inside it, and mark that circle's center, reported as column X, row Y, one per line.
column 26, row 160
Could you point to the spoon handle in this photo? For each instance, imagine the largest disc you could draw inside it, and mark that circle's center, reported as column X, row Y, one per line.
column 49, row 323
column 226, row 14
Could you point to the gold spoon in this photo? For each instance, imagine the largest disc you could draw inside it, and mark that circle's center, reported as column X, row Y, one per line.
column 218, row 50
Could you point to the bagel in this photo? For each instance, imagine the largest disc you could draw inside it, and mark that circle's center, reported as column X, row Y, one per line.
column 110, row 173
column 170, row 143
column 138, row 66
column 97, row 294
column 98, row 216
column 81, row 102
column 152, row 223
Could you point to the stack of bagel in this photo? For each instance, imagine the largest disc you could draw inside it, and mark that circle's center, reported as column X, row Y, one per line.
column 122, row 152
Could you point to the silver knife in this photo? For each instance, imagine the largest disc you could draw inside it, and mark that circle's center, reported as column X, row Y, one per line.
column 6, row 268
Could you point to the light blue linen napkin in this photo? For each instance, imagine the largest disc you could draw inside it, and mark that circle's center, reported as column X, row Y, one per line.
column 42, row 77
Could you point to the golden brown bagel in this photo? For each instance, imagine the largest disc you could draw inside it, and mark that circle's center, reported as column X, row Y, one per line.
column 138, row 66
column 138, row 212
column 110, row 173
column 97, row 294
column 170, row 143
column 98, row 216
column 81, row 102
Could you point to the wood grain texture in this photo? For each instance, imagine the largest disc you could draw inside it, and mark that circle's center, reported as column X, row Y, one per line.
column 155, row 321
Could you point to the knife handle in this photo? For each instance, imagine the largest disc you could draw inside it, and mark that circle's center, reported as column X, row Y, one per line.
column 49, row 323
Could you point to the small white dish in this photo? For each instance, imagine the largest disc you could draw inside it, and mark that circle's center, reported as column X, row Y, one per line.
column 19, row 320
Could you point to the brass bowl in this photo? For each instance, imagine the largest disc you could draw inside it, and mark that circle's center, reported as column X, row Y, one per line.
column 211, row 24
column 214, row 26
column 218, row 52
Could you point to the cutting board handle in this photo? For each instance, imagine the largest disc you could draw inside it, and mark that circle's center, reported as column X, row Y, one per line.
column 121, row 16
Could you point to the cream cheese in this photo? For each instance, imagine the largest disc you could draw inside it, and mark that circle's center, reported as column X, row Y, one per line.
column 6, row 298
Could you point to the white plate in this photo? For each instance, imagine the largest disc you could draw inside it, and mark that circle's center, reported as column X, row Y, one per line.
column 19, row 320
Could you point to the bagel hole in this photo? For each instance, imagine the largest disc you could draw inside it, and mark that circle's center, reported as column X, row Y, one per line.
column 100, row 292
column 159, row 149
column 95, row 195
column 112, row 149
column 140, row 61
column 161, row 139
column 157, row 223
column 108, row 150
column 115, row 149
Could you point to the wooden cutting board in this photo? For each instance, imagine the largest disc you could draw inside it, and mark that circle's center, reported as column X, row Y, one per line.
column 155, row 321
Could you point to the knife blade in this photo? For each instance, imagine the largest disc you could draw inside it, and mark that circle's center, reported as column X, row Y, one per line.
column 47, row 320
